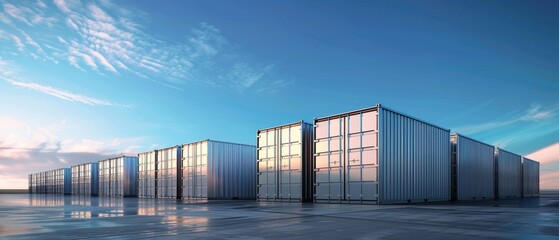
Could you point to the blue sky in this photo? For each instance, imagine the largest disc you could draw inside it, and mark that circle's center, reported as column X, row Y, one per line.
column 82, row 81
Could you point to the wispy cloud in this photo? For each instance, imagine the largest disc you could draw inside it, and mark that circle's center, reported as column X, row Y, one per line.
column 535, row 113
column 65, row 95
column 108, row 40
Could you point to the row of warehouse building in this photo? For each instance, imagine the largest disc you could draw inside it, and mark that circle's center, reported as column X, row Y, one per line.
column 374, row 155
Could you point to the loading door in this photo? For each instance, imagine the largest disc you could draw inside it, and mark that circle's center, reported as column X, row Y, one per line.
column 266, row 181
column 195, row 171
column 290, row 175
column 346, row 157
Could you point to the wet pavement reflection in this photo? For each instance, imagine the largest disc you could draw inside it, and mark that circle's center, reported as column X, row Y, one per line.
column 68, row 217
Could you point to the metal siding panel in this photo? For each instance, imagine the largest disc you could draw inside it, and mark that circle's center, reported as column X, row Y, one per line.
column 475, row 169
column 530, row 178
column 147, row 174
column 412, row 172
column 130, row 176
column 228, row 167
column 94, row 179
column 85, row 179
column 67, row 181
column 168, row 168
column 294, row 171
column 509, row 174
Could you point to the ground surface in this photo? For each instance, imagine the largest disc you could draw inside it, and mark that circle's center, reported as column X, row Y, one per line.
column 25, row 216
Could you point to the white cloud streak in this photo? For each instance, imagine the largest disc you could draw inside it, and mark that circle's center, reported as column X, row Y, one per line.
column 534, row 114
column 65, row 95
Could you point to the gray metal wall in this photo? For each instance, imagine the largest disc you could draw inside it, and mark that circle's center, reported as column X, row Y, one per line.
column 509, row 174
column 218, row 170
column 530, row 178
column 130, row 176
column 475, row 169
column 118, row 177
column 67, row 181
column 147, row 173
column 30, row 183
column 414, row 159
column 377, row 155
column 55, row 181
column 284, row 163
column 168, row 172
column 85, row 179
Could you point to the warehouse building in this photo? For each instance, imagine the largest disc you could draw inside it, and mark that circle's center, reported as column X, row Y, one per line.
column 284, row 158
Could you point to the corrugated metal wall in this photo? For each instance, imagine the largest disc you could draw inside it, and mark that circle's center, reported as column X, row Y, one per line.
column 130, row 176
column 85, row 179
column 377, row 155
column 509, row 174
column 231, row 171
column 147, row 184
column 531, row 178
column 475, row 168
column 67, row 181
column 105, row 178
column 218, row 170
column 55, row 181
column 118, row 177
column 414, row 159
column 168, row 172
column 284, row 163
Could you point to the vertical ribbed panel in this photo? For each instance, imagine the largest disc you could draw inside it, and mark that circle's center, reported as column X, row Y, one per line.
column 530, row 178
column 218, row 170
column 284, row 161
column 75, row 180
column 168, row 172
column 130, row 177
column 509, row 178
column 118, row 177
column 147, row 174
column 195, row 170
column 94, row 179
column 67, row 181
column 475, row 168
column 414, row 159
column 29, row 183
column 85, row 179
